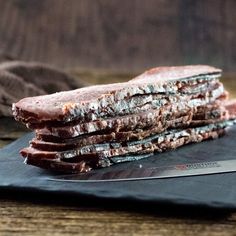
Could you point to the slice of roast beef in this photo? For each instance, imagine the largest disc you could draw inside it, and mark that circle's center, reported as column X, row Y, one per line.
column 109, row 137
column 138, row 121
column 84, row 104
column 144, row 102
column 117, row 124
column 212, row 114
column 111, row 149
column 159, row 143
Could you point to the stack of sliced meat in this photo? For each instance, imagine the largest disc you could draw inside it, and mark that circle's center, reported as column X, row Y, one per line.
column 97, row 126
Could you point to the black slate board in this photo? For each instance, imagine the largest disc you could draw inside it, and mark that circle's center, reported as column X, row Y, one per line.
column 214, row 191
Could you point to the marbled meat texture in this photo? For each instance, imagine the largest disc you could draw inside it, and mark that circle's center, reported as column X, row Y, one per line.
column 104, row 155
column 161, row 109
column 90, row 103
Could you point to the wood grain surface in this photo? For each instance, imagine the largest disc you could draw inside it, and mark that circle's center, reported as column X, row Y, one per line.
column 25, row 218
column 128, row 35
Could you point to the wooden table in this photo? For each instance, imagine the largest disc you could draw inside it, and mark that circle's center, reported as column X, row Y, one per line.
column 25, row 218
column 28, row 216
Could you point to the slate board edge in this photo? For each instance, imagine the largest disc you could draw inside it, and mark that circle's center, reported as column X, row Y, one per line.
column 127, row 199
column 103, row 195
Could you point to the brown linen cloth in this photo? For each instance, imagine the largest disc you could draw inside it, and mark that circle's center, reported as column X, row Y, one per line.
column 20, row 79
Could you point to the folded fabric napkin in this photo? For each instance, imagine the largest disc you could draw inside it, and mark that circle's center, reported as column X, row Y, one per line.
column 20, row 79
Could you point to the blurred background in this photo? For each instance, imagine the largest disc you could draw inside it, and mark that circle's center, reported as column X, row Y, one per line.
column 82, row 42
column 127, row 36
